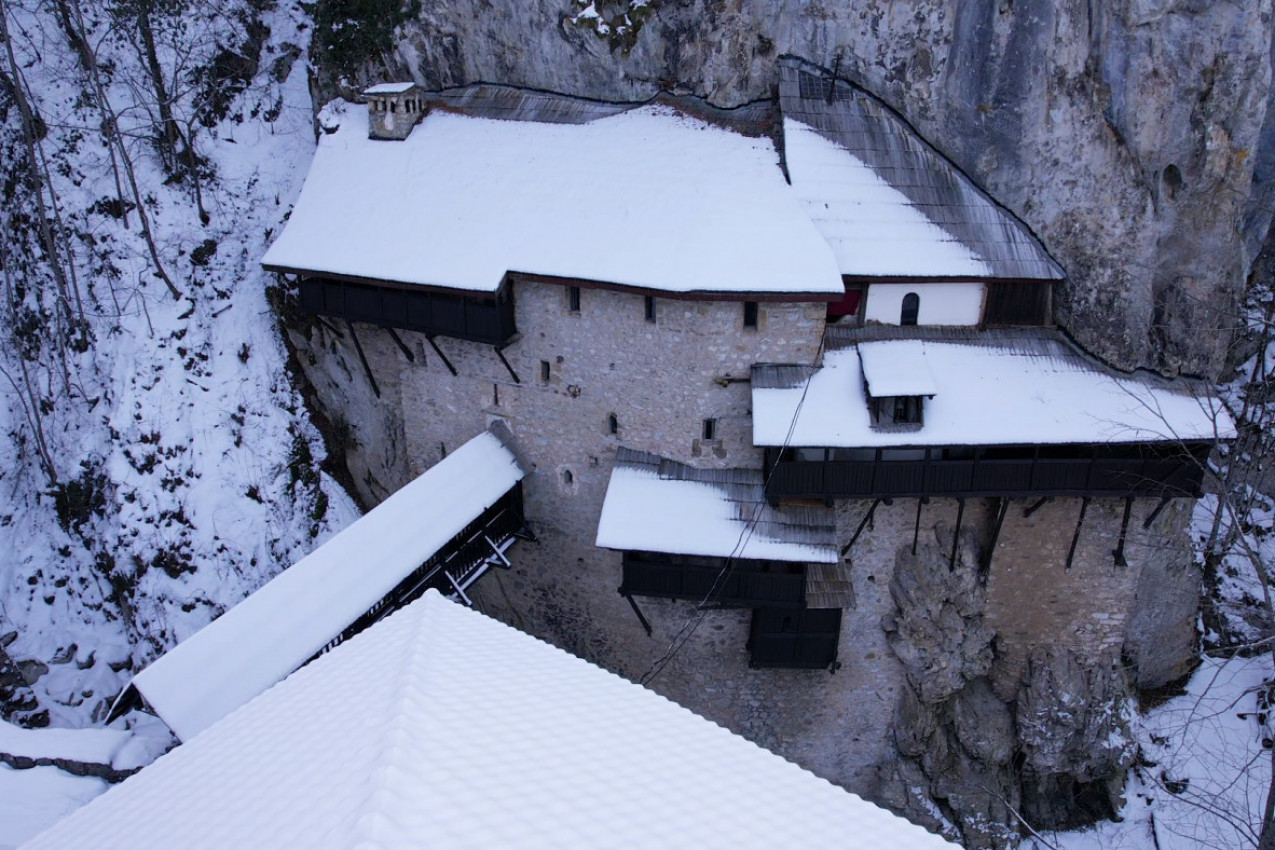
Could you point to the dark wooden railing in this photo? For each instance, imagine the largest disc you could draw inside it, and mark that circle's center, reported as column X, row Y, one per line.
column 1153, row 470
column 498, row 524
column 478, row 318
column 744, row 584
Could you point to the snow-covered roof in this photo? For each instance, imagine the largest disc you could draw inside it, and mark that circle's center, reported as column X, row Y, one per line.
column 896, row 368
column 284, row 623
column 649, row 198
column 440, row 727
column 389, row 88
column 658, row 505
column 884, row 198
column 991, row 388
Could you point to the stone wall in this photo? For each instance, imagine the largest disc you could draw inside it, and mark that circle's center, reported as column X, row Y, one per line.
column 951, row 682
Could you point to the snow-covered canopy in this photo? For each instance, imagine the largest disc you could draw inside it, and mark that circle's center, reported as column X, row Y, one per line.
column 896, row 368
column 440, row 727
column 1005, row 391
column 648, row 198
column 655, row 505
column 277, row 629
column 389, row 88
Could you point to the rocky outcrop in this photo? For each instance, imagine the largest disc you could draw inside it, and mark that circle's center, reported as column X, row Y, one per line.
column 1054, row 752
column 1131, row 135
column 17, row 701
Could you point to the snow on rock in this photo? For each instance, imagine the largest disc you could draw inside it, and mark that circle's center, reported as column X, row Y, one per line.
column 187, row 468
column 647, row 198
column 33, row 800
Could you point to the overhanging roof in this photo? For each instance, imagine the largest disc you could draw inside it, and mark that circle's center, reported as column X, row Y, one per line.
column 642, row 196
column 440, row 727
column 284, row 623
column 658, row 505
column 888, row 203
column 896, row 368
column 992, row 388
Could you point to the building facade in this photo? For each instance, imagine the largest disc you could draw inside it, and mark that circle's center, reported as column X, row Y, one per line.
column 805, row 452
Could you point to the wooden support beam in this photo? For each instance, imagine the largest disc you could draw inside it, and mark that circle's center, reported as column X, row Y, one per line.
column 500, row 352
column 996, row 533
column 363, row 359
column 1118, row 552
column 867, row 519
column 1151, row 517
column 1035, row 506
column 1075, row 538
column 916, row 527
column 636, row 610
column 956, row 535
column 441, row 355
column 407, row 352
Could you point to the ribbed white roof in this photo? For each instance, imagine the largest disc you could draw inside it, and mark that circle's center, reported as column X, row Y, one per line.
column 440, row 727
column 277, row 629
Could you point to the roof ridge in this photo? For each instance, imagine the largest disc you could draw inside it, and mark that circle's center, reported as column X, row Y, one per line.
column 404, row 738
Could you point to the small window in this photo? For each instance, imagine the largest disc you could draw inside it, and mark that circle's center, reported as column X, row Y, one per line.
column 650, row 308
column 907, row 409
column 710, row 429
column 613, row 424
column 573, row 299
column 750, row 315
column 911, row 309
column 393, row 107
column 544, row 371
column 567, row 478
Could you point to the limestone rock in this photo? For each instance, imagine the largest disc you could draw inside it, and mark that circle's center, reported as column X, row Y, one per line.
column 938, row 634
column 1131, row 135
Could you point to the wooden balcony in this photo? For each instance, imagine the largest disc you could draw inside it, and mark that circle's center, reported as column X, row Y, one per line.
column 745, row 585
column 1153, row 470
column 488, row 319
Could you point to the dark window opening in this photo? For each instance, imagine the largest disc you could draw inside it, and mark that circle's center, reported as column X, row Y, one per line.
column 847, row 309
column 907, row 409
column 544, row 371
column 750, row 315
column 650, row 308
column 573, row 299
column 804, row 638
column 710, row 429
column 567, row 478
column 911, row 309
column 613, row 424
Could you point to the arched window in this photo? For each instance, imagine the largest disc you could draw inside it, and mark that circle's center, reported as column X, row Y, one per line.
column 911, row 307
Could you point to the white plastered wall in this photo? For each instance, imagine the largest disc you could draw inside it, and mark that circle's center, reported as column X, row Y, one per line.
column 941, row 303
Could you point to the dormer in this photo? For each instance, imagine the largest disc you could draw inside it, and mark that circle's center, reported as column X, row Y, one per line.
column 393, row 109
column 896, row 383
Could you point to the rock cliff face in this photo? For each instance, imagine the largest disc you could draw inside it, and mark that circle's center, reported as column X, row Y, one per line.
column 1131, row 135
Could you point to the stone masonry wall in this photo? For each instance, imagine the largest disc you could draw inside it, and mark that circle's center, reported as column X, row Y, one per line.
column 945, row 676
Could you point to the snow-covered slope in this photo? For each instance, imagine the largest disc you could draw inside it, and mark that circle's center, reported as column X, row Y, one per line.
column 158, row 463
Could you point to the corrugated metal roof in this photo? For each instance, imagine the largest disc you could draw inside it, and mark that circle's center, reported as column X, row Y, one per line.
column 871, row 131
column 807, row 526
